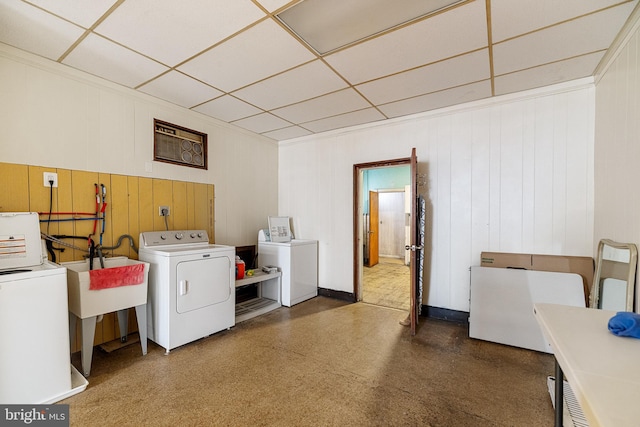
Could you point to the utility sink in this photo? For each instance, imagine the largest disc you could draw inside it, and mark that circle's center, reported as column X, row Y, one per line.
column 120, row 285
column 84, row 302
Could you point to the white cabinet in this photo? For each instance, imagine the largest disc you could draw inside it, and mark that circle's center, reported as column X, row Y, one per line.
column 268, row 295
column 298, row 262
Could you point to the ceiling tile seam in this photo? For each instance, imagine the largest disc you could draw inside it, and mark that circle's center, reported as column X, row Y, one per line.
column 175, row 67
column 417, row 67
column 310, row 99
column 127, row 48
column 286, row 127
column 333, row 116
column 220, row 42
column 262, row 110
column 318, row 55
column 86, row 32
column 553, row 62
column 271, row 76
column 259, row 114
column 272, row 111
column 186, row 75
column 211, row 99
column 433, row 92
column 490, row 46
column 278, row 10
column 351, row 85
column 575, row 18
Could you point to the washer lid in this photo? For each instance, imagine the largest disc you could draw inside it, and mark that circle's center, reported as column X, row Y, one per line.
column 20, row 244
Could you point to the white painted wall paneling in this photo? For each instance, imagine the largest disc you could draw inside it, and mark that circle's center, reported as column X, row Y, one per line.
column 58, row 117
column 507, row 175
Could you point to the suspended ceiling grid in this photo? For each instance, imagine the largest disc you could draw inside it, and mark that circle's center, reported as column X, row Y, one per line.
column 235, row 61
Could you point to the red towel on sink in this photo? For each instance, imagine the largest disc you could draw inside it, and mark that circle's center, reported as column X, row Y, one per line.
column 116, row 276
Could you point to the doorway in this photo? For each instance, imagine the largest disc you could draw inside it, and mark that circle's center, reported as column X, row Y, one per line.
column 383, row 218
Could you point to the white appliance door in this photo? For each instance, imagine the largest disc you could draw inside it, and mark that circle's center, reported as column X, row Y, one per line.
column 202, row 282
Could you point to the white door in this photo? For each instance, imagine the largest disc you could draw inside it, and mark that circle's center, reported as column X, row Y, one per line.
column 202, row 282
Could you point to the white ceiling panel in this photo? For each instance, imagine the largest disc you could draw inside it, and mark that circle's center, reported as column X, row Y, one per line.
column 272, row 5
column 458, row 71
column 31, row 29
column 324, row 106
column 171, row 31
column 262, row 123
column 432, row 101
column 307, row 81
column 546, row 75
column 511, row 18
column 344, row 120
column 255, row 54
column 227, row 108
column 233, row 60
column 430, row 40
column 179, row 89
column 556, row 43
column 287, row 133
column 82, row 12
column 102, row 58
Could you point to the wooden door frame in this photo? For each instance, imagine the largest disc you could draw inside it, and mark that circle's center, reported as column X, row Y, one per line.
column 357, row 169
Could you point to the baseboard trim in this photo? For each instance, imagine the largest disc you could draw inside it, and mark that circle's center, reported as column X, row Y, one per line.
column 455, row 316
column 341, row 295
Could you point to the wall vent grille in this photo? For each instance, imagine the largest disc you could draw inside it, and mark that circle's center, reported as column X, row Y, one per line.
column 179, row 145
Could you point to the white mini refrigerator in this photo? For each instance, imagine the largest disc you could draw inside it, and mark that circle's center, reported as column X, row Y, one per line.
column 298, row 262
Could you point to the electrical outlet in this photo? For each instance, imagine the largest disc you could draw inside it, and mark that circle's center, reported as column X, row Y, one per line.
column 163, row 209
column 50, row 176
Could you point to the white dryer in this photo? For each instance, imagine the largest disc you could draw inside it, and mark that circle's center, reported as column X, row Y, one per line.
column 191, row 286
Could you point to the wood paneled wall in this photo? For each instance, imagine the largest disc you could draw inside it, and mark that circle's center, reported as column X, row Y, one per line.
column 132, row 207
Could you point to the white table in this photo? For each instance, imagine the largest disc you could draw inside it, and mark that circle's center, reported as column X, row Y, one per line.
column 603, row 369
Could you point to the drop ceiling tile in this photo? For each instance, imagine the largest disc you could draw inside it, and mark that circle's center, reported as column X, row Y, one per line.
column 180, row 89
column 255, row 54
column 457, row 31
column 170, row 34
column 287, row 133
column 559, row 42
column 344, row 120
column 511, row 18
column 31, row 29
column 81, row 12
column 324, row 106
column 441, row 99
column 272, row 5
column 546, row 75
column 301, row 83
column 105, row 59
column 227, row 108
column 458, row 71
column 261, row 123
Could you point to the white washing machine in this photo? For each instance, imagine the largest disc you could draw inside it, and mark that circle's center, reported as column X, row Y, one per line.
column 35, row 361
column 191, row 286
column 298, row 262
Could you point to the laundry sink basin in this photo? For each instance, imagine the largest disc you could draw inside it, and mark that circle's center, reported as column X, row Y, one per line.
column 122, row 284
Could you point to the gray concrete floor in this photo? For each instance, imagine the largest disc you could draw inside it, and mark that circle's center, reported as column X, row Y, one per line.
column 323, row 362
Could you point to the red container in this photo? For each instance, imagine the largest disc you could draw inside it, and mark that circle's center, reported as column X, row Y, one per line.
column 239, row 269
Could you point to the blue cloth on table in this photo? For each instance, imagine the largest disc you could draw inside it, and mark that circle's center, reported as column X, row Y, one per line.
column 625, row 324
